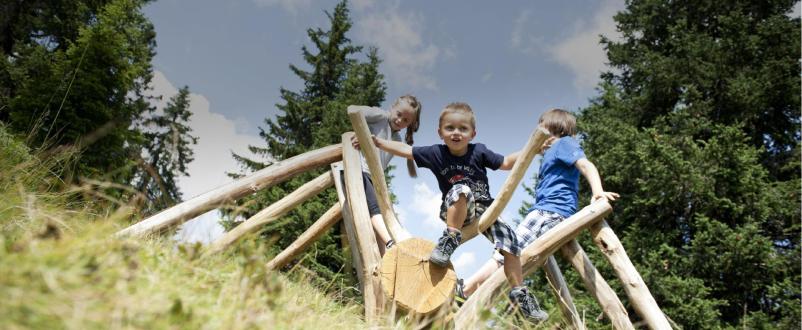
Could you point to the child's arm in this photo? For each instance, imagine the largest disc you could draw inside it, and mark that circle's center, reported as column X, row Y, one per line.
column 590, row 173
column 509, row 161
column 394, row 147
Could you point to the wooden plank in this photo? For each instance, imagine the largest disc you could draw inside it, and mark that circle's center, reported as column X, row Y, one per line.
column 532, row 148
column 311, row 235
column 272, row 212
column 376, row 174
column 639, row 295
column 532, row 257
column 267, row 177
column 597, row 286
column 564, row 299
column 348, row 222
column 366, row 240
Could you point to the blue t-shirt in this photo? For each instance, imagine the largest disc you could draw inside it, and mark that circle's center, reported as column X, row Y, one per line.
column 467, row 169
column 558, row 179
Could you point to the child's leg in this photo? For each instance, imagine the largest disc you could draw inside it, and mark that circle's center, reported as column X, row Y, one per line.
column 512, row 268
column 382, row 235
column 457, row 207
column 455, row 214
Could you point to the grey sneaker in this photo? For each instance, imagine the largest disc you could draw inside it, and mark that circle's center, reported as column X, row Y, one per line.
column 445, row 247
column 528, row 305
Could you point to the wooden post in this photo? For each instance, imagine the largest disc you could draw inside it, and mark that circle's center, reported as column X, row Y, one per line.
column 348, row 222
column 532, row 147
column 597, row 286
column 320, row 227
column 269, row 176
column 533, row 256
column 272, row 212
column 376, row 174
column 560, row 288
column 366, row 240
column 639, row 295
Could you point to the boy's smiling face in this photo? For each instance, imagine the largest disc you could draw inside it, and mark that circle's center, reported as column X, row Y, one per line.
column 456, row 131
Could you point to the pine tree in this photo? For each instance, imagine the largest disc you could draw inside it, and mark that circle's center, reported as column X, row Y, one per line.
column 310, row 119
column 168, row 143
column 697, row 128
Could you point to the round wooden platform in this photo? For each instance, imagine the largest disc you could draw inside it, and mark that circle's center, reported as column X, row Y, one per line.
column 414, row 283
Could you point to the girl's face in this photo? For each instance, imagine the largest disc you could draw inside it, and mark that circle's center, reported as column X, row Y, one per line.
column 401, row 116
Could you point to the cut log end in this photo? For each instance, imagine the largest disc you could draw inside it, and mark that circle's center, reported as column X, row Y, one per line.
column 412, row 281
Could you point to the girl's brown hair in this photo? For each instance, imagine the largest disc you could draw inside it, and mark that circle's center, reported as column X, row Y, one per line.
column 559, row 122
column 412, row 128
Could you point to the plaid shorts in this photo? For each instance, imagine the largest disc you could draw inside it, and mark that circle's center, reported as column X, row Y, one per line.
column 536, row 223
column 500, row 233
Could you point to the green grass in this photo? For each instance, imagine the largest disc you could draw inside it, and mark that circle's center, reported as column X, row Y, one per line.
column 60, row 267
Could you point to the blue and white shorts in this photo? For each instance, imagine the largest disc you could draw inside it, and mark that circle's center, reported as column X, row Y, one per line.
column 536, row 223
column 500, row 233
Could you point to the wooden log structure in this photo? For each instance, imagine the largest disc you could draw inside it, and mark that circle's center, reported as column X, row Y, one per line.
column 348, row 222
column 533, row 256
column 412, row 282
column 532, row 148
column 312, row 234
column 272, row 212
column 639, row 295
column 564, row 299
column 597, row 286
column 276, row 173
column 366, row 239
column 376, row 174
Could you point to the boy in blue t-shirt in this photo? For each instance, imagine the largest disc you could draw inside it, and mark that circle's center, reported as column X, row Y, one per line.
column 460, row 169
column 557, row 190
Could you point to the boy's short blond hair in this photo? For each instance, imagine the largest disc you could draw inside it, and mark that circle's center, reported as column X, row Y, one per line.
column 458, row 107
column 559, row 122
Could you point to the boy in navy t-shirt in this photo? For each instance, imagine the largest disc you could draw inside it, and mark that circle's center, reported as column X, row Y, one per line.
column 460, row 169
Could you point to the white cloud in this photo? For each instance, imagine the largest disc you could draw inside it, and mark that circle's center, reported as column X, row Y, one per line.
column 581, row 52
column 486, row 77
column 291, row 6
column 361, row 5
column 217, row 138
column 408, row 59
column 425, row 206
column 796, row 11
column 464, row 261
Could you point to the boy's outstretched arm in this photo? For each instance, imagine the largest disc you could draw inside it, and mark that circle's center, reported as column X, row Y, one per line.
column 590, row 173
column 394, row 147
column 509, row 161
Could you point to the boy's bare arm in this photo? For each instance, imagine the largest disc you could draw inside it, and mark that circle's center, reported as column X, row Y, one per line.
column 590, row 173
column 509, row 161
column 394, row 147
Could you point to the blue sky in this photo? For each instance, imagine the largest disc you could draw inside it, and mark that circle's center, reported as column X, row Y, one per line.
column 510, row 62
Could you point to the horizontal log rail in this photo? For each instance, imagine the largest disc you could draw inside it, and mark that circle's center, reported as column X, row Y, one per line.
column 272, row 212
column 312, row 234
column 276, row 173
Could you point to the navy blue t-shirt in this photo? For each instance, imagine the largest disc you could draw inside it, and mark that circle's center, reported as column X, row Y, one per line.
column 558, row 179
column 467, row 169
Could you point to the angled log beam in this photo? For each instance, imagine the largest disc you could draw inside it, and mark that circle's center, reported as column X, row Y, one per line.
column 311, row 235
column 366, row 240
column 564, row 299
column 597, row 286
column 533, row 256
column 639, row 295
column 376, row 174
column 264, row 178
column 532, row 148
column 348, row 222
column 272, row 212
